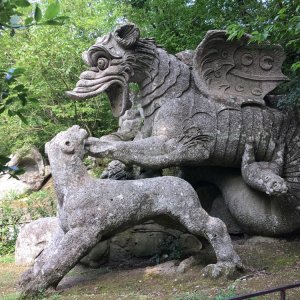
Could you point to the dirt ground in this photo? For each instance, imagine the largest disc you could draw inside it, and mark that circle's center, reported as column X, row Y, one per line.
column 268, row 264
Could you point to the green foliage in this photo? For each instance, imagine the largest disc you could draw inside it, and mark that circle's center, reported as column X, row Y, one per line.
column 14, row 14
column 13, row 94
column 168, row 249
column 35, row 107
column 181, row 24
column 52, row 10
column 278, row 23
column 8, row 258
column 41, row 204
column 13, row 171
column 10, row 218
column 14, row 212
column 227, row 293
column 223, row 294
column 51, row 66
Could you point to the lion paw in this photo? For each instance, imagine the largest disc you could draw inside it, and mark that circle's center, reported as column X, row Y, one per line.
column 26, row 277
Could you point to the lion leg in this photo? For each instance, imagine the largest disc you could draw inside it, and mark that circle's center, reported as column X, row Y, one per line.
column 264, row 176
column 198, row 222
column 48, row 271
column 41, row 259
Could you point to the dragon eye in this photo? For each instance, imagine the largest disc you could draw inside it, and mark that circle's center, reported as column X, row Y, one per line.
column 102, row 63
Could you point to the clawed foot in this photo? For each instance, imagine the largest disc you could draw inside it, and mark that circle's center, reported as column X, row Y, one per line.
column 32, row 285
column 26, row 277
column 264, row 180
column 222, row 269
column 274, row 185
column 35, row 288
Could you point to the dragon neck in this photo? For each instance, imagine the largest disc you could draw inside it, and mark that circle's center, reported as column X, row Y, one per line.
column 166, row 78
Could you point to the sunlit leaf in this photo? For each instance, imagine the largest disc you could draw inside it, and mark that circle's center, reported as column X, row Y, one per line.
column 9, row 101
column 295, row 66
column 4, row 159
column 52, row 10
column 2, row 109
column 23, row 99
column 37, row 13
column 19, row 87
column 23, row 119
column 18, row 71
column 52, row 22
column 23, row 3
column 10, row 113
column 28, row 21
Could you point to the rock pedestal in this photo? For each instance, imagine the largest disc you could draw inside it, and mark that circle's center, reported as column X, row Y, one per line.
column 141, row 241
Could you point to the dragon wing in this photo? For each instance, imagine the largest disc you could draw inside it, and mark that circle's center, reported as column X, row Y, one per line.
column 236, row 72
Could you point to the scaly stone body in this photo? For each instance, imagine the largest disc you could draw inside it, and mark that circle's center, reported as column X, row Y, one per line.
column 212, row 115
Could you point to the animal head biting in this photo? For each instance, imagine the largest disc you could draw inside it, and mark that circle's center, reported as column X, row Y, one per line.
column 67, row 143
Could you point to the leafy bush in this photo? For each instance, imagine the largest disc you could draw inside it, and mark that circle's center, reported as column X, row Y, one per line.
column 14, row 212
column 10, row 216
column 49, row 56
column 168, row 249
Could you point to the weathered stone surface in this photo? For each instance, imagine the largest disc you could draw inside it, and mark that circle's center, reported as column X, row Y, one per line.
column 212, row 115
column 35, row 173
column 254, row 240
column 118, row 171
column 167, row 268
column 141, row 241
column 187, row 264
column 186, row 56
column 220, row 210
column 255, row 213
column 12, row 187
column 189, row 244
column 35, row 169
column 97, row 256
column 245, row 72
column 89, row 208
column 147, row 241
column 33, row 238
column 150, row 239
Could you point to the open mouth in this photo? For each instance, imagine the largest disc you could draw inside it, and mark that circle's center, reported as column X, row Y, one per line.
column 114, row 86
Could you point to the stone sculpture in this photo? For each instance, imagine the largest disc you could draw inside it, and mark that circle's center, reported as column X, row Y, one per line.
column 209, row 112
column 35, row 173
column 90, row 208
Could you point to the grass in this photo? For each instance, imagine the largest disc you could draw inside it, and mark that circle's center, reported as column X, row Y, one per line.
column 267, row 266
column 8, row 258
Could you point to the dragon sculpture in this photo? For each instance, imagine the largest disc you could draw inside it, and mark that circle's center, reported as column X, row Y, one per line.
column 202, row 114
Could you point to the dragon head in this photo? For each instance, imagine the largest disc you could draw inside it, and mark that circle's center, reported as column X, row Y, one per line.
column 114, row 63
